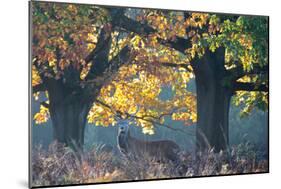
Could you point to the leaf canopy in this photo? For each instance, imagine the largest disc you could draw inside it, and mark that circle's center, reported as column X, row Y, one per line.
column 65, row 34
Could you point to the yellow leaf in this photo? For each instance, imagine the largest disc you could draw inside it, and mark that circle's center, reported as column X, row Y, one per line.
column 42, row 116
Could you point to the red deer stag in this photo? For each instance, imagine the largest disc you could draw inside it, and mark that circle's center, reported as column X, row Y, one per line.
column 160, row 150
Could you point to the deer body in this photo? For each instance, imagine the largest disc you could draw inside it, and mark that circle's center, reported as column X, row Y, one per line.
column 162, row 150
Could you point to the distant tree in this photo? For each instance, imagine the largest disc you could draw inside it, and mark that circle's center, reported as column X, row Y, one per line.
column 98, row 62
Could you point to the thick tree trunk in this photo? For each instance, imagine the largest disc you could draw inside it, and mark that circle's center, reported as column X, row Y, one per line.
column 213, row 100
column 213, row 109
column 69, row 122
column 68, row 111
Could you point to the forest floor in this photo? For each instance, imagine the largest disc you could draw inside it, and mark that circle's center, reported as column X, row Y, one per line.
column 60, row 165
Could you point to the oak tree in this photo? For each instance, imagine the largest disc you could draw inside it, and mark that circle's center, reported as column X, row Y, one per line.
column 96, row 63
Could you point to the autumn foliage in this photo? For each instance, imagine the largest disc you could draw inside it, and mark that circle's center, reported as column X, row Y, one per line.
column 98, row 65
column 164, row 48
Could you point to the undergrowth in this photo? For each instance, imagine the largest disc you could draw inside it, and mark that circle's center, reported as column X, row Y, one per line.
column 59, row 165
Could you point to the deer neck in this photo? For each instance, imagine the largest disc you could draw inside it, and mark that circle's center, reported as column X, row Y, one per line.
column 123, row 141
column 128, row 135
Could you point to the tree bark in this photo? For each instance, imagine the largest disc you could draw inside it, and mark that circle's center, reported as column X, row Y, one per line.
column 69, row 122
column 68, row 111
column 213, row 101
column 213, row 110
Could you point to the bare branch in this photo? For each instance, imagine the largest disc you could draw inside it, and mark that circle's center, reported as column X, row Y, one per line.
column 156, row 123
column 38, row 88
column 168, row 64
column 99, row 56
column 180, row 44
column 240, row 86
column 45, row 104
column 144, row 118
column 239, row 72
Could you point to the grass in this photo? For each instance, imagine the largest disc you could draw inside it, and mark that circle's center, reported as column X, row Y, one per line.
column 59, row 165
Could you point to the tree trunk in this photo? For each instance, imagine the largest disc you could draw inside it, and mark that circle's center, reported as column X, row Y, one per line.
column 213, row 102
column 68, row 111
column 69, row 122
column 212, row 123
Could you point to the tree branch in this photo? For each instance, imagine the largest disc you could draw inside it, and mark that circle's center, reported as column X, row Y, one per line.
column 103, row 40
column 38, row 88
column 120, row 59
column 112, row 68
column 92, row 86
column 44, row 70
column 99, row 56
column 239, row 72
column 168, row 64
column 45, row 104
column 240, row 86
column 180, row 44
column 155, row 123
column 131, row 25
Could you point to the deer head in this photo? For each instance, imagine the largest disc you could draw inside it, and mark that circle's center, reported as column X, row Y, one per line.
column 124, row 132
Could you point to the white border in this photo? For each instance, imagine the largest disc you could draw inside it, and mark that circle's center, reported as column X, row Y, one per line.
column 14, row 91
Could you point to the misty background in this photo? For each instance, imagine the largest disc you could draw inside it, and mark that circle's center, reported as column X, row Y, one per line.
column 252, row 129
